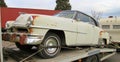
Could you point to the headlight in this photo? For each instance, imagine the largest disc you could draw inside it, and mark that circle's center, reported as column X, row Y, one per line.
column 30, row 21
column 8, row 24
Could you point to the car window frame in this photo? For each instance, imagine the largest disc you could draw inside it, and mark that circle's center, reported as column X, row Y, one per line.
column 95, row 21
column 90, row 22
column 80, row 19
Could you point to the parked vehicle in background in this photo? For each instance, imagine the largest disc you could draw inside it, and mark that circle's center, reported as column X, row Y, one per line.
column 67, row 28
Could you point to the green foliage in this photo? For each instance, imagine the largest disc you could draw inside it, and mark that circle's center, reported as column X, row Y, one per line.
column 63, row 5
column 2, row 3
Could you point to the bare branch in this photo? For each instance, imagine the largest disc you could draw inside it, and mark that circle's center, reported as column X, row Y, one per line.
column 96, row 15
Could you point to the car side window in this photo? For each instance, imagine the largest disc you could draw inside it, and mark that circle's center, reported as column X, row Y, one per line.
column 66, row 14
column 86, row 18
column 82, row 17
column 78, row 16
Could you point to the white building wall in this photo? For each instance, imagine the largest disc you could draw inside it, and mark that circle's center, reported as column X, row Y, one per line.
column 114, row 27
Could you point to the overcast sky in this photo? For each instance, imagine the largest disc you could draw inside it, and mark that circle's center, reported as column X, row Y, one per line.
column 107, row 7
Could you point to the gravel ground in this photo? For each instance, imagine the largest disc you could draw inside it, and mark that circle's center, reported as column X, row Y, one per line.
column 7, row 44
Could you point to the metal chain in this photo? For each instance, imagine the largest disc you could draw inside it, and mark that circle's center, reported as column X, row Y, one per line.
column 32, row 55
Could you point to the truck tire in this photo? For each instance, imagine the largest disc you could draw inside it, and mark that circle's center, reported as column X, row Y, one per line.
column 93, row 58
column 23, row 47
column 50, row 39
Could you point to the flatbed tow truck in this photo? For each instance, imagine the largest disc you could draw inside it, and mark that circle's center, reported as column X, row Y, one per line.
column 78, row 54
column 90, row 54
column 68, row 54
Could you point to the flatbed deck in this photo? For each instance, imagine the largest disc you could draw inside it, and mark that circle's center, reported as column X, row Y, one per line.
column 72, row 55
column 69, row 55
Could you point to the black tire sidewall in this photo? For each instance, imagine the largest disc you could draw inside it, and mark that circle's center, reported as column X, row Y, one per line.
column 89, row 59
column 44, row 53
column 23, row 47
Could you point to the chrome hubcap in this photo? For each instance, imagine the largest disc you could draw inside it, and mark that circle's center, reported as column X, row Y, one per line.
column 51, row 42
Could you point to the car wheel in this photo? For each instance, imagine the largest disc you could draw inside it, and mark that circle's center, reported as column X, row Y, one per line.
column 50, row 39
column 24, row 47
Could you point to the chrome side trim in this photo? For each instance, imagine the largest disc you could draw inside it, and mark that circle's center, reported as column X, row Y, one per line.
column 42, row 27
column 22, row 33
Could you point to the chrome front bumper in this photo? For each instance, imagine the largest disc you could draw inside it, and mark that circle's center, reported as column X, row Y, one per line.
column 23, row 38
column 33, row 40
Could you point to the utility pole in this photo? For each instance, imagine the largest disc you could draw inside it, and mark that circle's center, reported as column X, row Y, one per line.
column 2, row 4
column 1, row 51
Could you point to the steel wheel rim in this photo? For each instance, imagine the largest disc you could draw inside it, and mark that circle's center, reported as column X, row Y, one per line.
column 51, row 41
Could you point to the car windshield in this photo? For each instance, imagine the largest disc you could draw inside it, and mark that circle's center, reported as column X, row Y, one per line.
column 66, row 14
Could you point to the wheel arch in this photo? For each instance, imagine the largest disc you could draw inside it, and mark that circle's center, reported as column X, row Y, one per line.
column 60, row 33
column 105, row 41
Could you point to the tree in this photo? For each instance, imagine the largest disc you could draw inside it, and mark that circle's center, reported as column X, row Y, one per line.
column 96, row 15
column 63, row 5
column 2, row 3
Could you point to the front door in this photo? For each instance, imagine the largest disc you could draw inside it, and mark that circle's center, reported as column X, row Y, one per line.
column 85, row 30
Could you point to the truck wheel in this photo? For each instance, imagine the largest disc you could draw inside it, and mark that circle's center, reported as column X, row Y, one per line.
column 24, row 47
column 93, row 58
column 50, row 39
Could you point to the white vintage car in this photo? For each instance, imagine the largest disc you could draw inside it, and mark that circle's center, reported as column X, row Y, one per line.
column 67, row 28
